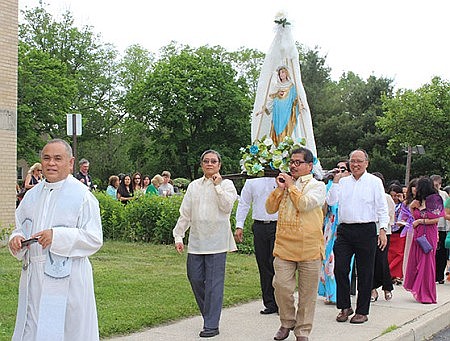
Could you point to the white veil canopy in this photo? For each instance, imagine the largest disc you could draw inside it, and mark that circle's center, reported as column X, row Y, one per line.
column 282, row 52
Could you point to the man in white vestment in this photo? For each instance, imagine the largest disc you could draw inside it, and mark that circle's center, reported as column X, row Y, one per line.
column 62, row 218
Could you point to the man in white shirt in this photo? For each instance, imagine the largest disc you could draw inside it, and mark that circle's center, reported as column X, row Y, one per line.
column 362, row 204
column 61, row 219
column 255, row 193
column 206, row 210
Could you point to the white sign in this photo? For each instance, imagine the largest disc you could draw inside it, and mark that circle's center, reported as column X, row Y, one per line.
column 78, row 126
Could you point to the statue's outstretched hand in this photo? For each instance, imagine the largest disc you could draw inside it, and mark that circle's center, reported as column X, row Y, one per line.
column 262, row 111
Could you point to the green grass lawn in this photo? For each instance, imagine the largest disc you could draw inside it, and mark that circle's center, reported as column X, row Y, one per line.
column 137, row 286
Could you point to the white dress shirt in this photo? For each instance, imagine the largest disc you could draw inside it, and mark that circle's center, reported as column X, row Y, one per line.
column 206, row 210
column 255, row 193
column 360, row 201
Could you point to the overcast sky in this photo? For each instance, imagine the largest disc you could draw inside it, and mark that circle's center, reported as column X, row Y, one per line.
column 406, row 40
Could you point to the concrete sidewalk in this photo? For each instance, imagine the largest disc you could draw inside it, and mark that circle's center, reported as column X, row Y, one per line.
column 413, row 321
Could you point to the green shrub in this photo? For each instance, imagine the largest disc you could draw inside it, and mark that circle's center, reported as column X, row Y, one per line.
column 151, row 219
column 112, row 214
column 169, row 213
column 181, row 183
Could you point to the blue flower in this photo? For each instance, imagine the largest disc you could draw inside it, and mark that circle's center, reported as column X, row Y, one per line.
column 315, row 160
column 257, row 167
column 254, row 149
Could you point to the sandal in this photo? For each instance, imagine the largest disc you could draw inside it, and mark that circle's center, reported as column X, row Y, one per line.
column 387, row 295
column 374, row 296
column 397, row 281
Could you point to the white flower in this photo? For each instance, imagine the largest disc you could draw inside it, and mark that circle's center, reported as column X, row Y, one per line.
column 277, row 157
column 280, row 15
column 268, row 141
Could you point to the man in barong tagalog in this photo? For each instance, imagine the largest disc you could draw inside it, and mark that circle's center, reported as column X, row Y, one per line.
column 281, row 108
column 58, row 226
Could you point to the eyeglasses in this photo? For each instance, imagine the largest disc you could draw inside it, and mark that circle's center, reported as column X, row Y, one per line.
column 213, row 162
column 39, row 170
column 296, row 163
column 357, row 161
column 137, row 178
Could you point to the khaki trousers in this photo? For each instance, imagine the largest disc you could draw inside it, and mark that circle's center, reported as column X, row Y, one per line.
column 284, row 283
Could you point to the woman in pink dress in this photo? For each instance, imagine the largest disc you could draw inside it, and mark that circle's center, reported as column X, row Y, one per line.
column 420, row 274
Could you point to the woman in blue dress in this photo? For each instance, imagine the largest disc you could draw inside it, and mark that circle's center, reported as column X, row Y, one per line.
column 327, row 282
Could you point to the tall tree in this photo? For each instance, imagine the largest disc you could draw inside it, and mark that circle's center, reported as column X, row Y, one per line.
column 420, row 117
column 192, row 101
column 66, row 69
column 87, row 61
column 248, row 63
column 45, row 94
column 134, row 66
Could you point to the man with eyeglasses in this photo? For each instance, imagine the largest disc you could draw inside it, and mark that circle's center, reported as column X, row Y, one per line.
column 299, row 245
column 362, row 204
column 206, row 210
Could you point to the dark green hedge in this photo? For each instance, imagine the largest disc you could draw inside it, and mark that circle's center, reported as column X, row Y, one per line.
column 151, row 219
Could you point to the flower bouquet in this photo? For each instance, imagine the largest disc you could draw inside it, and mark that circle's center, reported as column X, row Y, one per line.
column 264, row 157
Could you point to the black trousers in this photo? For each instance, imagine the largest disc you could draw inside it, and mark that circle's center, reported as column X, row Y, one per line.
column 359, row 240
column 381, row 274
column 441, row 256
column 264, row 240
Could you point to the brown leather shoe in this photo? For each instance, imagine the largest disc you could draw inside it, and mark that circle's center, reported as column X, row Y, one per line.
column 282, row 333
column 344, row 314
column 302, row 338
column 358, row 318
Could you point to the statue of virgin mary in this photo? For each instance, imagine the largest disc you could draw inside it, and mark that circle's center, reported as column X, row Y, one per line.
column 281, row 108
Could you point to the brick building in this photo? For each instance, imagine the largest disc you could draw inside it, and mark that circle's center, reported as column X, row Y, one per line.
column 8, row 109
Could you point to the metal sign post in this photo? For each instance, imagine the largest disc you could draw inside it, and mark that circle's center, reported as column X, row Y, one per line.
column 74, row 128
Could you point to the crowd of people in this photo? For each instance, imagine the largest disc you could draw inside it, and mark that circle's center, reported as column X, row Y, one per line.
column 125, row 187
column 310, row 234
column 121, row 187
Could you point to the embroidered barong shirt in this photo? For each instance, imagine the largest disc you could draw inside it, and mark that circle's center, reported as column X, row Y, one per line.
column 206, row 211
column 299, row 234
column 70, row 209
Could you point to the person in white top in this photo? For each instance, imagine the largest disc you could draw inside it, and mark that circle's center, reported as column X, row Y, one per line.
column 58, row 227
column 166, row 189
column 255, row 193
column 206, row 210
column 362, row 204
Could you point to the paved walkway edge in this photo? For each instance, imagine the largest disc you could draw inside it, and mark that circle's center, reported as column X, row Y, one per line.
column 422, row 327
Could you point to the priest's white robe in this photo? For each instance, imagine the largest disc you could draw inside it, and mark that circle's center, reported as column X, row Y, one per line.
column 73, row 213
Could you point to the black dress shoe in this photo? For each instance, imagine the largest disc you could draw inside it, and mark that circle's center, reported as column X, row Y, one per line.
column 268, row 311
column 344, row 314
column 358, row 318
column 209, row 332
